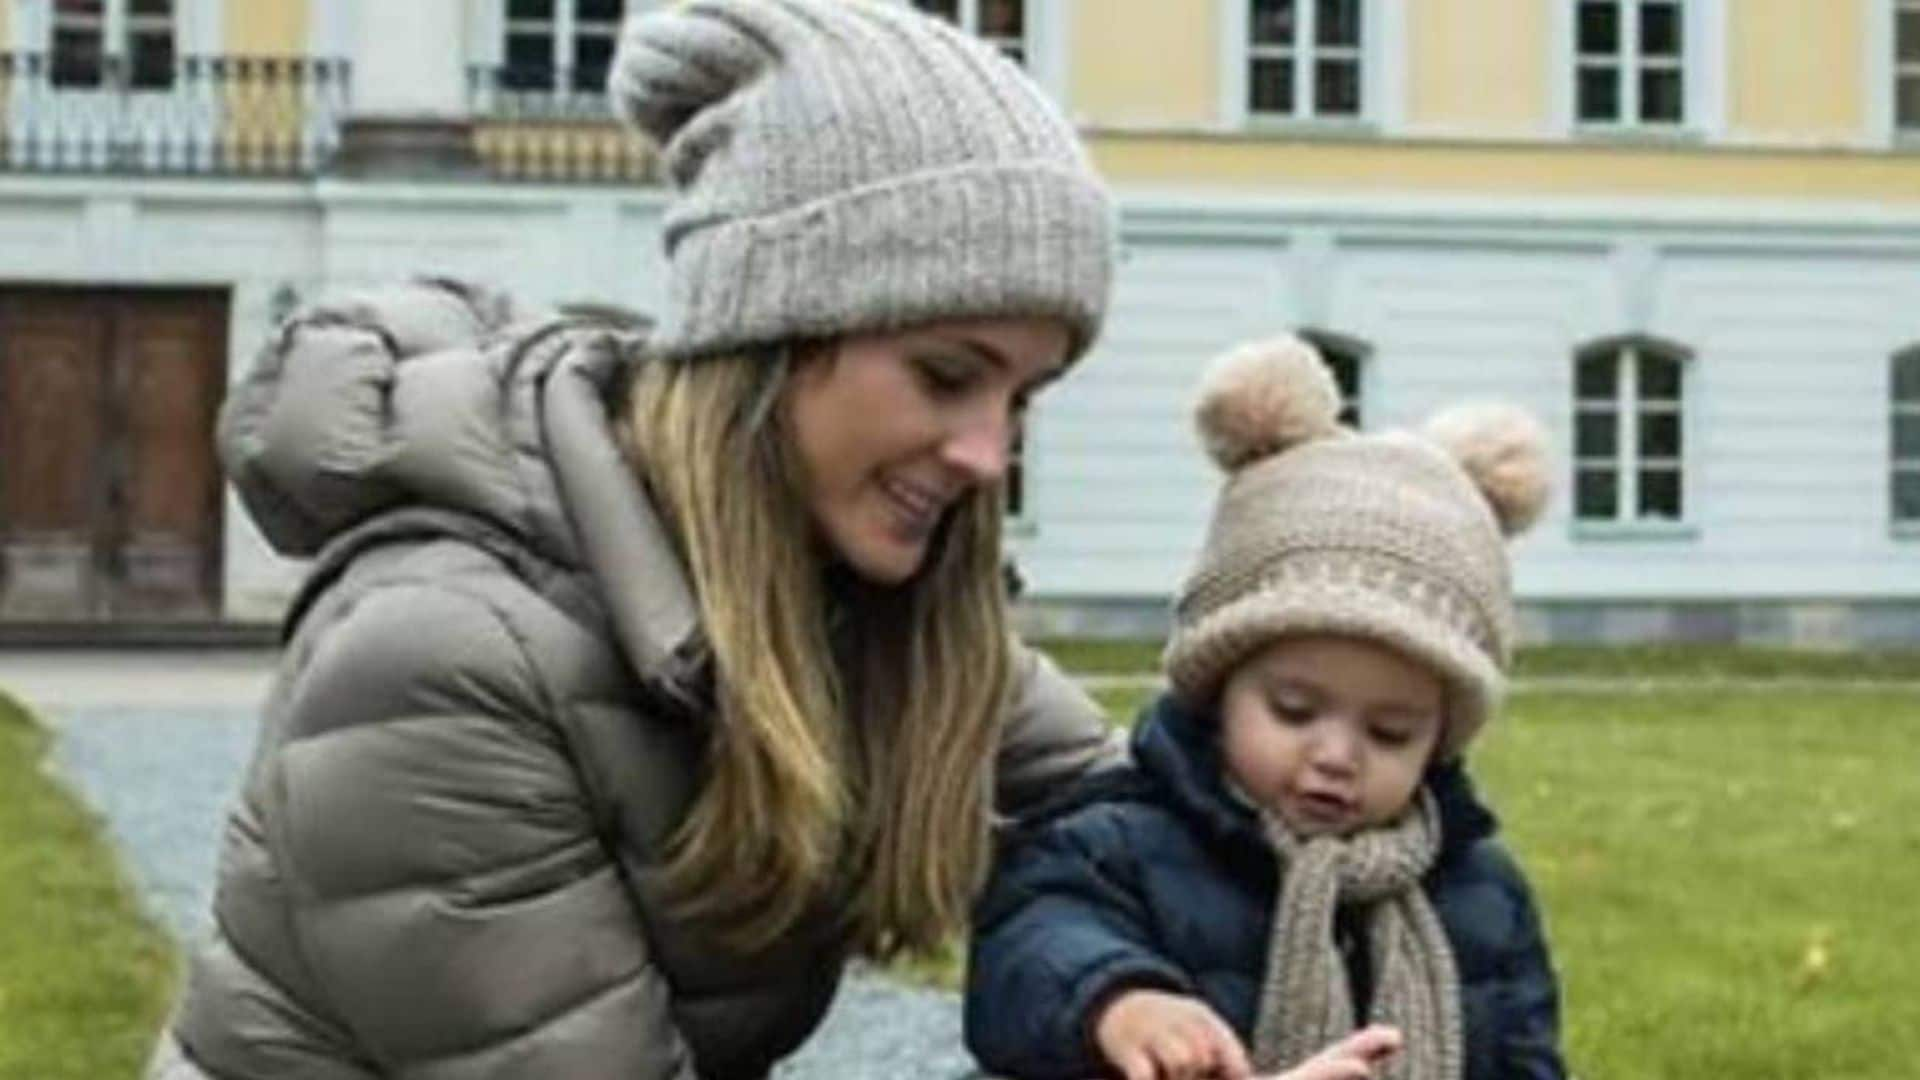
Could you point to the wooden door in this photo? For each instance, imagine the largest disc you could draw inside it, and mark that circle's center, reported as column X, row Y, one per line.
column 109, row 488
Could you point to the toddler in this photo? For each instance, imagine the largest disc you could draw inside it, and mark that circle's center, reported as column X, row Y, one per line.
column 1296, row 850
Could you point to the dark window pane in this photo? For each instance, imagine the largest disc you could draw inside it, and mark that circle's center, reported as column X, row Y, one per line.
column 1270, row 86
column 1660, row 435
column 942, row 9
column 529, row 62
column 1015, row 483
column 598, row 10
column 1337, row 22
column 1596, row 434
column 1659, row 379
column 1596, row 494
column 1660, row 493
column 1906, row 496
column 1336, row 88
column 1346, row 374
column 1908, row 35
column 1906, row 379
column 151, row 7
column 152, row 58
column 592, row 55
column 1600, row 27
column 77, row 9
column 1599, row 93
column 1660, row 97
column 1908, row 108
column 530, row 9
column 1660, row 30
column 76, row 58
column 1003, row 18
column 1598, row 378
column 1906, row 437
column 1272, row 22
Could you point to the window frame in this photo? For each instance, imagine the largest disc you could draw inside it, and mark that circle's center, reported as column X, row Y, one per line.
column 1898, row 465
column 967, row 18
column 116, row 26
column 1899, row 70
column 1627, row 462
column 1334, row 348
column 563, row 29
column 1702, row 66
column 1383, row 48
column 1380, row 78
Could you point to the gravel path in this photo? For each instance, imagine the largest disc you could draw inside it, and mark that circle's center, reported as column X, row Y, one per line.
column 161, row 774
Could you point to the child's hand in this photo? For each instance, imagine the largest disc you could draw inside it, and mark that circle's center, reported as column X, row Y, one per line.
column 1352, row 1058
column 1152, row 1035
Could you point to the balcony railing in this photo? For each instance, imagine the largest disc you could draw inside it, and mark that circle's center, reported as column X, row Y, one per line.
column 529, row 126
column 215, row 115
column 275, row 116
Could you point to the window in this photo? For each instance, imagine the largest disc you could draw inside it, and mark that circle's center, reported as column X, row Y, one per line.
column 1303, row 58
column 1905, row 486
column 1345, row 356
column 1906, row 66
column 95, row 41
column 1015, row 483
column 1629, row 66
column 1001, row 23
column 560, row 46
column 1629, row 432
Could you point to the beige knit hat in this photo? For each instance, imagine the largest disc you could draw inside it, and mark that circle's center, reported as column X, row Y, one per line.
column 847, row 166
column 1396, row 537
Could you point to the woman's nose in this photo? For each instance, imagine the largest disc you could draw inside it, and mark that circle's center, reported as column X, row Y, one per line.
column 981, row 445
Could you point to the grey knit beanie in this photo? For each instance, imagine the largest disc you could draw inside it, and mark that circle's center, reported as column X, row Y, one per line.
column 1397, row 538
column 849, row 166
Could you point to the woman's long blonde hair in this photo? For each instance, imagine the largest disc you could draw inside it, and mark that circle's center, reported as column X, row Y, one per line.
column 849, row 762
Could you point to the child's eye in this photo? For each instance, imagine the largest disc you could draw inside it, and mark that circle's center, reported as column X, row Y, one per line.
column 1291, row 711
column 1392, row 737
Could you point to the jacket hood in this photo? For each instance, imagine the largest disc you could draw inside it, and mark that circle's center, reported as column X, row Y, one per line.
column 1177, row 748
column 461, row 412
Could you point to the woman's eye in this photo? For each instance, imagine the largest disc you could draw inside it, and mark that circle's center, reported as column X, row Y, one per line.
column 1392, row 737
column 944, row 377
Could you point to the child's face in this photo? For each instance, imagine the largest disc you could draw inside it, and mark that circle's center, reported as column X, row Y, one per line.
column 1331, row 733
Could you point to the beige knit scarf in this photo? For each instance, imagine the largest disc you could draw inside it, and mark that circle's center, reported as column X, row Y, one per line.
column 1306, row 1001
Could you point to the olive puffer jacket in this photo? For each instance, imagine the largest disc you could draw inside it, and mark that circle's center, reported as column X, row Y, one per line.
column 445, row 861
column 1155, row 876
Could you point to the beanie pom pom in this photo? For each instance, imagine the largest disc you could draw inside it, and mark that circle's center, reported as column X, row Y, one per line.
column 1263, row 397
column 1503, row 449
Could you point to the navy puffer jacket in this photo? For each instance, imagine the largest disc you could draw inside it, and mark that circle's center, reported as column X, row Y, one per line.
column 1155, row 877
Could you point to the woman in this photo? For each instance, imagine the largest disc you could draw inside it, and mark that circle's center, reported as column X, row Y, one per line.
column 641, row 680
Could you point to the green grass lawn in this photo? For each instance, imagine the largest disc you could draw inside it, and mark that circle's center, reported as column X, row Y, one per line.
column 1728, row 877
column 84, row 975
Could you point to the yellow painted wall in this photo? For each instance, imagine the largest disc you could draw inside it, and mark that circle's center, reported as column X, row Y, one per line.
column 1793, row 68
column 267, row 27
column 1479, row 66
column 1143, row 61
column 1276, row 165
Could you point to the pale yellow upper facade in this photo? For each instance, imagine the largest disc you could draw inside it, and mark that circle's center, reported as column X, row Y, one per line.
column 1786, row 98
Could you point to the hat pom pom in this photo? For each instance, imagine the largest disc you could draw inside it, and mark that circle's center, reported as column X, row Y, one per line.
column 1503, row 449
column 1262, row 397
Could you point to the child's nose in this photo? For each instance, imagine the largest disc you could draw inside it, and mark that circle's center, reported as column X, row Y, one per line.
column 1336, row 750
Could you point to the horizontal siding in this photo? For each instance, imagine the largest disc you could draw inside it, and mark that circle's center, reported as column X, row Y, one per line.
column 1787, row 431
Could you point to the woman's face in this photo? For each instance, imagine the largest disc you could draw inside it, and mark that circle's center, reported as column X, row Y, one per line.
column 1331, row 733
column 892, row 429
